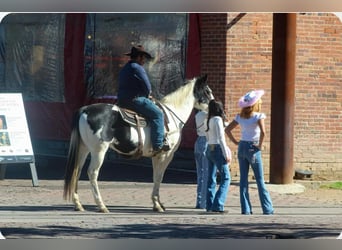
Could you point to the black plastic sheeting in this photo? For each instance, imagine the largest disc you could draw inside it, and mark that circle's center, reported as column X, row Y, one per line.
column 32, row 52
column 62, row 61
column 110, row 35
column 32, row 56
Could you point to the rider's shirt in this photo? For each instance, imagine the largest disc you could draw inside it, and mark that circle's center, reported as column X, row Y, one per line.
column 133, row 82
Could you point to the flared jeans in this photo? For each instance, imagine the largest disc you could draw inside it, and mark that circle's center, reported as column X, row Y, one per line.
column 202, row 171
column 250, row 155
column 217, row 198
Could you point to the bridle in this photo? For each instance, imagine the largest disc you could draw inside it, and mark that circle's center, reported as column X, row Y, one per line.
column 208, row 96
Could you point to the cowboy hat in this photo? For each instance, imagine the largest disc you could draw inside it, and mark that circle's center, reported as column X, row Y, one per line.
column 136, row 50
column 250, row 98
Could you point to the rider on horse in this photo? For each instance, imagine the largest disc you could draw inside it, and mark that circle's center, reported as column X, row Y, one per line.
column 134, row 93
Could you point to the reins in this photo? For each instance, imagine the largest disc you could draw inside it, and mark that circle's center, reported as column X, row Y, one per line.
column 163, row 105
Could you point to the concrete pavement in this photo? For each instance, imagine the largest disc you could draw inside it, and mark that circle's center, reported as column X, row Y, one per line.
column 29, row 212
column 40, row 212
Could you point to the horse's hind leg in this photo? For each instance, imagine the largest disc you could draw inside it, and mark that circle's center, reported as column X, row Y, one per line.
column 96, row 161
column 82, row 156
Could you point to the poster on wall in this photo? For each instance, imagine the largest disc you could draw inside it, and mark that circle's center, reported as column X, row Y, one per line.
column 15, row 141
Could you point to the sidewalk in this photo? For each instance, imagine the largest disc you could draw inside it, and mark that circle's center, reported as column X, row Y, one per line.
column 40, row 212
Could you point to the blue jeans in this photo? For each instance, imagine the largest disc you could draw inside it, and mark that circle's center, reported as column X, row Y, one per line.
column 201, row 170
column 152, row 113
column 250, row 155
column 216, row 160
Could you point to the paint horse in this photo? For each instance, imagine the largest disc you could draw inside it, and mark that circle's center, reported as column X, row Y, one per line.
column 98, row 127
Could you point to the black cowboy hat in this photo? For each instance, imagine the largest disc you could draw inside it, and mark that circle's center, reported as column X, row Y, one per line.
column 139, row 49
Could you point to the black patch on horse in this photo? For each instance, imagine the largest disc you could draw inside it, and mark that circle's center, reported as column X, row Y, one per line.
column 101, row 115
column 122, row 133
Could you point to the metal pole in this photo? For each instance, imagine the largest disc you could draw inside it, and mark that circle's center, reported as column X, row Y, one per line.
column 282, row 99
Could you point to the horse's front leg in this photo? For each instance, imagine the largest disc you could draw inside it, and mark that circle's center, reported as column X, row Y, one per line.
column 93, row 172
column 157, row 205
column 160, row 163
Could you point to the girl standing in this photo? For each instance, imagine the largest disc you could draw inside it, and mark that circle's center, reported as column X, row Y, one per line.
column 219, row 156
column 252, row 126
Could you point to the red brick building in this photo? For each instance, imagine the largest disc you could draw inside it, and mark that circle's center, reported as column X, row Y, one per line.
column 236, row 52
column 46, row 56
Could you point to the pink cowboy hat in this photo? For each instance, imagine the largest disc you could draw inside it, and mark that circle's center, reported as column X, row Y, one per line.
column 250, row 98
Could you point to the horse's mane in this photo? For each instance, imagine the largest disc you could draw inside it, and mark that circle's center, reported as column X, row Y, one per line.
column 179, row 94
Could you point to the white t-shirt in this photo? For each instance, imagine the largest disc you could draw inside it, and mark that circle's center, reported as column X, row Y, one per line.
column 216, row 135
column 250, row 130
column 201, row 122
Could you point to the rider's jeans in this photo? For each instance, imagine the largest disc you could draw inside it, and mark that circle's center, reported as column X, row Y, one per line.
column 250, row 155
column 154, row 116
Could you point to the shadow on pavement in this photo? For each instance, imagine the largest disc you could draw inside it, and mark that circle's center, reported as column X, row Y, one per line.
column 173, row 231
column 182, row 171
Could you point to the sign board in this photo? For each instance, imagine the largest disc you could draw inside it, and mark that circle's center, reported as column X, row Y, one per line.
column 15, row 141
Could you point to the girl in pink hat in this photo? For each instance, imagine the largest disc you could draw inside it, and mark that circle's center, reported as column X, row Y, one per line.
column 252, row 125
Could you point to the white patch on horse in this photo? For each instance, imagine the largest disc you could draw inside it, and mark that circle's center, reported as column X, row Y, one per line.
column 115, row 108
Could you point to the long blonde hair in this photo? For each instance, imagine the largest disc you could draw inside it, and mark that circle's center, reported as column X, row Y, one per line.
column 248, row 111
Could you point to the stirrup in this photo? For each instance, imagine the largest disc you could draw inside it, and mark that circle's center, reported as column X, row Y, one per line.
column 166, row 145
column 157, row 151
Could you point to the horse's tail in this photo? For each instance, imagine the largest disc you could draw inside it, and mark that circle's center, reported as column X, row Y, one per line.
column 72, row 166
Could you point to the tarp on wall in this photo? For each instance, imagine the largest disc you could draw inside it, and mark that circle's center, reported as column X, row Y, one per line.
column 49, row 52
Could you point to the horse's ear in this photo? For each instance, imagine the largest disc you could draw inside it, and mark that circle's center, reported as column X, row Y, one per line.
column 205, row 77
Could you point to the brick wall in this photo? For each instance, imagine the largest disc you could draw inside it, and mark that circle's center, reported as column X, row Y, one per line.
column 318, row 113
column 237, row 55
column 213, row 52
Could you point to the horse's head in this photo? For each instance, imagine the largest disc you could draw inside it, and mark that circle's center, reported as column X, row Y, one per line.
column 203, row 94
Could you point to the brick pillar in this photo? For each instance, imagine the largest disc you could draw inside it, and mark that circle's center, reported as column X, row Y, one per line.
column 213, row 52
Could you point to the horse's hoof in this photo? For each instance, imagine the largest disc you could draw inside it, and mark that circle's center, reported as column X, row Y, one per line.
column 103, row 210
column 79, row 209
column 160, row 209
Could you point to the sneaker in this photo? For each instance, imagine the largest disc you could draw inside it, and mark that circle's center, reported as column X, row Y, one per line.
column 217, row 212
column 220, row 211
column 199, row 207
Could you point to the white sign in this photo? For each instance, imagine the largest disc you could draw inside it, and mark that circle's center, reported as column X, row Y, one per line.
column 15, row 142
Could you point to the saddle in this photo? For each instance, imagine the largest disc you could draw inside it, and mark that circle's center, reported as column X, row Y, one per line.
column 136, row 120
column 132, row 117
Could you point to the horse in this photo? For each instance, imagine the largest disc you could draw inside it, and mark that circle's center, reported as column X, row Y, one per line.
column 100, row 126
